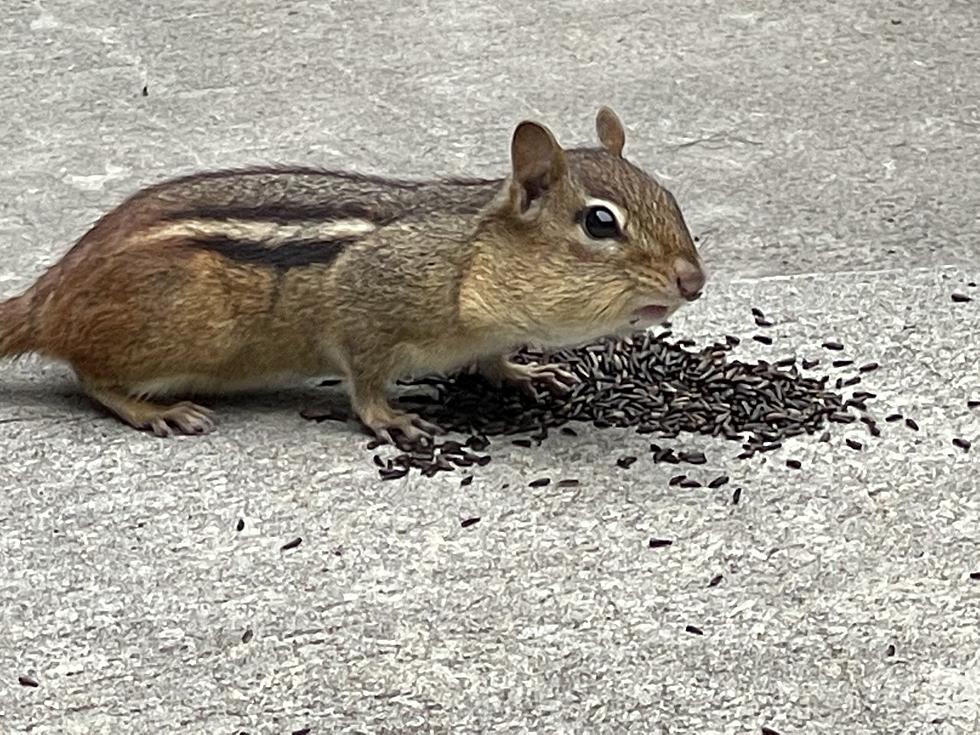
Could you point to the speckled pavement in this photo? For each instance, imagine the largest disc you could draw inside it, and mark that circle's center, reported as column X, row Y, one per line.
column 826, row 155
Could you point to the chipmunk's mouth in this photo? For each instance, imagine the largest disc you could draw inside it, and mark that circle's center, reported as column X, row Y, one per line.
column 650, row 314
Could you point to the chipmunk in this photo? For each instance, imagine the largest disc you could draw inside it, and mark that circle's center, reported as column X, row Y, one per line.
column 237, row 279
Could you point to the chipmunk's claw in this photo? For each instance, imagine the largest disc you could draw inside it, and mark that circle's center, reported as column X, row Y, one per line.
column 404, row 430
column 526, row 377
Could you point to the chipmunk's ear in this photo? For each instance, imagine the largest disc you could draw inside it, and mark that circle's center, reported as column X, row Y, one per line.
column 538, row 162
column 612, row 135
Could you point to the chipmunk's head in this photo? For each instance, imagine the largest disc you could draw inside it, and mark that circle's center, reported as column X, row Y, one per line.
column 598, row 245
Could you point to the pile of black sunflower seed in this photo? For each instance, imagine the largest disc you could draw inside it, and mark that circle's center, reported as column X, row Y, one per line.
column 645, row 382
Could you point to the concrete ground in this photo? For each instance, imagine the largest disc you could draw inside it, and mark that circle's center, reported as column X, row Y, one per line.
column 827, row 154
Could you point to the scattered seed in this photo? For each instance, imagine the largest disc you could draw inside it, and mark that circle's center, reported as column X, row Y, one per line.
column 763, row 338
column 692, row 457
column 466, row 481
column 794, row 464
column 626, row 461
column 469, row 522
column 659, row 543
column 247, row 635
column 736, row 496
column 871, row 366
column 831, row 345
column 27, row 681
column 961, row 443
column 478, row 443
column 854, row 444
column 718, row 482
column 291, row 544
column 912, row 424
column 961, row 298
column 540, row 482
column 716, row 580
column 694, row 630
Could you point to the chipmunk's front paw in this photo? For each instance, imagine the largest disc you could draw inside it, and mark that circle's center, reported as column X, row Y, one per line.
column 526, row 377
column 402, row 429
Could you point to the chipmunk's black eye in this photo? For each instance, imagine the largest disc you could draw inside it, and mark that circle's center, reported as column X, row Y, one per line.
column 600, row 223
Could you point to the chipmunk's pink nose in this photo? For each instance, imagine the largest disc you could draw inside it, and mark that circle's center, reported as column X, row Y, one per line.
column 690, row 278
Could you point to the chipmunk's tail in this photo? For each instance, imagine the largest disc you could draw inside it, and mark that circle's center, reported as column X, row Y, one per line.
column 16, row 336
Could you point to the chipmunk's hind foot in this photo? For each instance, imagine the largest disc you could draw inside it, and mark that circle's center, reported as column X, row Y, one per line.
column 163, row 420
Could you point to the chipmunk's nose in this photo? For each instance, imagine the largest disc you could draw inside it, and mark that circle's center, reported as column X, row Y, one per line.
column 690, row 278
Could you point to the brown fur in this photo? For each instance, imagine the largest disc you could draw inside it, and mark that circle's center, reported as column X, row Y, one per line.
column 235, row 279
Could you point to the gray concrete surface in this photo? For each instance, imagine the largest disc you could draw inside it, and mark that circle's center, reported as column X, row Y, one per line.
column 827, row 153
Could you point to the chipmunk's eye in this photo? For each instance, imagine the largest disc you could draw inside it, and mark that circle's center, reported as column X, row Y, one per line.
column 600, row 223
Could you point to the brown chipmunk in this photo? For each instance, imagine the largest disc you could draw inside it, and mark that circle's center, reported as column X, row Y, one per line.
column 236, row 280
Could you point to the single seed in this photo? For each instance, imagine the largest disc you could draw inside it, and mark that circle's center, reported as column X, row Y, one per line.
column 912, row 424
column 892, row 417
column 809, row 364
column 240, row 526
column 690, row 483
column 718, row 482
column 540, row 482
column 291, row 544
column 736, row 496
column 466, row 481
column 692, row 457
column 676, row 480
column 794, row 464
column 962, row 444
column 871, row 366
column 763, row 338
column 842, row 363
column 626, row 461
column 854, row 444
column 27, row 681
column 716, row 580
column 568, row 431
column 975, row 576
column 694, row 630
column 973, row 403
column 890, row 651
column 521, row 442
column 769, row 731
column 247, row 635
column 469, row 522
column 659, row 543
column 961, row 298
column 570, row 482
column 831, row 345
